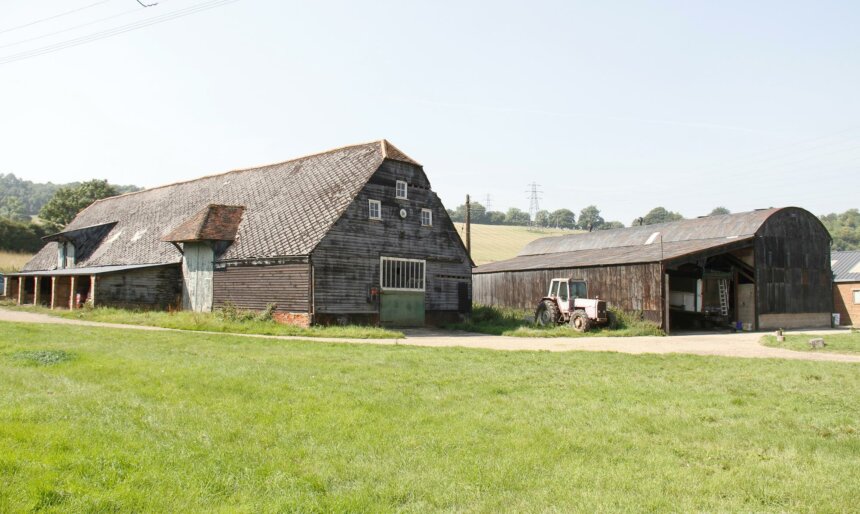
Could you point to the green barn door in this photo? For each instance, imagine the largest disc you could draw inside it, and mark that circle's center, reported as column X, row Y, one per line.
column 402, row 301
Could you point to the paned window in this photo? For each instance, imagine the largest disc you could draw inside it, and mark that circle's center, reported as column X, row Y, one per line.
column 401, row 190
column 374, row 209
column 426, row 218
column 402, row 274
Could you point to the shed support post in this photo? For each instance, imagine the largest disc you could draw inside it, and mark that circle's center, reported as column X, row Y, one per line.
column 72, row 293
column 21, row 289
column 666, row 299
column 92, row 296
column 36, row 290
column 53, row 292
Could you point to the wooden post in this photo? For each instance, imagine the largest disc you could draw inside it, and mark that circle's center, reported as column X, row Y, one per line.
column 72, row 293
column 53, row 292
column 666, row 296
column 92, row 295
column 36, row 290
column 468, row 227
column 21, row 289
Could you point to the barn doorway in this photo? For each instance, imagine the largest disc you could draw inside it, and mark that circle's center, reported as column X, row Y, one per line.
column 198, row 261
column 402, row 298
column 713, row 293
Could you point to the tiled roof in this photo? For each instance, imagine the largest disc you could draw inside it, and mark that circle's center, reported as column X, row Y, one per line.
column 846, row 266
column 213, row 223
column 288, row 209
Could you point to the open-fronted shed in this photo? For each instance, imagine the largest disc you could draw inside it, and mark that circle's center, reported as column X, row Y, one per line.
column 312, row 235
column 767, row 268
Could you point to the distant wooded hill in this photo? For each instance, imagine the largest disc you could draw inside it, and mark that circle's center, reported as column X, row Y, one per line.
column 32, row 196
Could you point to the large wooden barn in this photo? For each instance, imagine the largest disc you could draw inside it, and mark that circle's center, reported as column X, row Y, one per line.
column 354, row 234
column 764, row 269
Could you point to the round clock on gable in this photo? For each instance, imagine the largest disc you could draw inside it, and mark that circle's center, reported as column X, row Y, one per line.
column 403, row 213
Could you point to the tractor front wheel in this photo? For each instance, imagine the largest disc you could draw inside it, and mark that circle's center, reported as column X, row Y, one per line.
column 579, row 321
column 547, row 313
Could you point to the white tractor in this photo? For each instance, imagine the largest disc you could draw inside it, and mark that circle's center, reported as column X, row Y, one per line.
column 567, row 302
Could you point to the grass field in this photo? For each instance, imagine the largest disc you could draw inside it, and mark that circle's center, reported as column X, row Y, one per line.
column 492, row 243
column 10, row 261
column 848, row 342
column 210, row 322
column 104, row 420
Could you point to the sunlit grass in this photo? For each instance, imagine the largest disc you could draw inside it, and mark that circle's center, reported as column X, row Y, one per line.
column 846, row 342
column 12, row 261
column 132, row 421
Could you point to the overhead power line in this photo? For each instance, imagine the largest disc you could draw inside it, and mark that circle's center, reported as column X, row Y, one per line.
column 75, row 27
column 203, row 6
column 36, row 22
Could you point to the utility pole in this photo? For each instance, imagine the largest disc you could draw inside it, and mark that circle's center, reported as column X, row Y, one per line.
column 488, row 203
column 468, row 227
column 534, row 201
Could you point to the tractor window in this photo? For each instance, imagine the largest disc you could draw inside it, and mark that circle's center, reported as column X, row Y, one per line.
column 553, row 288
column 562, row 292
column 578, row 290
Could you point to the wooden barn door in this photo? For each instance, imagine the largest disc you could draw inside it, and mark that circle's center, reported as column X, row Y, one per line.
column 197, row 267
column 402, row 301
column 746, row 305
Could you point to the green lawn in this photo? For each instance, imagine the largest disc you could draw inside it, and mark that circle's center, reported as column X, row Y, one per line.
column 210, row 322
column 846, row 342
column 95, row 419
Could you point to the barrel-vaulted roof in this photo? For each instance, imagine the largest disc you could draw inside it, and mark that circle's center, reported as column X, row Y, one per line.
column 639, row 244
column 288, row 208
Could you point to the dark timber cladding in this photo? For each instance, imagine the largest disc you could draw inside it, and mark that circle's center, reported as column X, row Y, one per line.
column 756, row 270
column 255, row 285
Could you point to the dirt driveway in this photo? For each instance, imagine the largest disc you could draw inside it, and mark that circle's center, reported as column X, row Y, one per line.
column 727, row 345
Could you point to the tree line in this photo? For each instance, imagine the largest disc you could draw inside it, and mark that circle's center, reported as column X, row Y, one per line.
column 19, row 232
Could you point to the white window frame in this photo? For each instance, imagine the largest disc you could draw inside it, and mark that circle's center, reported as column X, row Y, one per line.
column 856, row 296
column 429, row 214
column 405, row 195
column 411, row 270
column 370, row 205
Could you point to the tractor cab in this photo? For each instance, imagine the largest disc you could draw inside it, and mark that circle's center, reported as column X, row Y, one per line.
column 564, row 290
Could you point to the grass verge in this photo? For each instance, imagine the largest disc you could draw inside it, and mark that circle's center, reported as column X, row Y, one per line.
column 211, row 322
column 847, row 342
column 97, row 419
column 520, row 323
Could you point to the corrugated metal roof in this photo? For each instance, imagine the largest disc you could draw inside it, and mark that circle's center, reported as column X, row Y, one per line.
column 95, row 270
column 289, row 208
column 610, row 256
column 846, row 266
column 737, row 226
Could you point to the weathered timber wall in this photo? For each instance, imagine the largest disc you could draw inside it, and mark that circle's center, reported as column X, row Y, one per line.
column 254, row 286
column 141, row 288
column 633, row 287
column 346, row 262
column 793, row 275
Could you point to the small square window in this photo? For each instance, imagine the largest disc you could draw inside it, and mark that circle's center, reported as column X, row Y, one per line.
column 856, row 296
column 374, row 210
column 401, row 189
column 426, row 218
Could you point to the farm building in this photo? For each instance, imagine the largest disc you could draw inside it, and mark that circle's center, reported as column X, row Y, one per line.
column 353, row 234
column 764, row 269
column 846, row 287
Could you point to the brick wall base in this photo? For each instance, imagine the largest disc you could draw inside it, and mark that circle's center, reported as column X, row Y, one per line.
column 843, row 301
column 799, row 320
column 299, row 319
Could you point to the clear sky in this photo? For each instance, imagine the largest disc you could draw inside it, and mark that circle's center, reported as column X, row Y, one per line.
column 626, row 105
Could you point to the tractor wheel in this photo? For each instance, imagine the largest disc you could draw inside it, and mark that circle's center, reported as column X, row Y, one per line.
column 579, row 321
column 547, row 313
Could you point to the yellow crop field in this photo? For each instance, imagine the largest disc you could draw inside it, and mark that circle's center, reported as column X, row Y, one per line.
column 10, row 261
column 492, row 243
